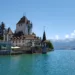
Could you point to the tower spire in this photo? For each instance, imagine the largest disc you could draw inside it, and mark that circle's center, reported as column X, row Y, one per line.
column 44, row 35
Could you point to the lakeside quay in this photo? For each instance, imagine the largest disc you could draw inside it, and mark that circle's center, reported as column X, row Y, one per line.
column 6, row 49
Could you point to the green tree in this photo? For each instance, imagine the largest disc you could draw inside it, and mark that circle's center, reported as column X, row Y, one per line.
column 8, row 29
column 2, row 27
column 33, row 33
column 50, row 45
column 1, row 37
column 29, row 28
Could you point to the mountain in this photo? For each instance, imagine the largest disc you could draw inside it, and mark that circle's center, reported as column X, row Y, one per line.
column 64, row 44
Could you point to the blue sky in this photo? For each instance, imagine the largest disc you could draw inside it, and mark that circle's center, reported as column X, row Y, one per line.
column 58, row 16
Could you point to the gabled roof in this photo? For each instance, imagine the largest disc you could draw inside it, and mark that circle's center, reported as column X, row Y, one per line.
column 10, row 32
column 23, row 20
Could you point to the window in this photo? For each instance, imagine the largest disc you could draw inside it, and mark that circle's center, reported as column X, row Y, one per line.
column 23, row 41
column 21, row 24
column 19, row 41
column 16, row 41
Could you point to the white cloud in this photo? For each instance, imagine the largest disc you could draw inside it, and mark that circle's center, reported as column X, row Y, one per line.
column 70, row 36
column 67, row 36
column 74, row 31
column 73, row 34
column 57, row 37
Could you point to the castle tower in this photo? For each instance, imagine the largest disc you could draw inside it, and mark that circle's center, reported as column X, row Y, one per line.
column 24, row 25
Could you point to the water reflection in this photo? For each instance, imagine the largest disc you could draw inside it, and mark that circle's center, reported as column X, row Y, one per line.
column 8, row 64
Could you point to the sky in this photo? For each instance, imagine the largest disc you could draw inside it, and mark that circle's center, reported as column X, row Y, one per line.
column 58, row 16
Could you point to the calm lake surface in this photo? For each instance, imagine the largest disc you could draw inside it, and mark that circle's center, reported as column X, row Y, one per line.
column 58, row 62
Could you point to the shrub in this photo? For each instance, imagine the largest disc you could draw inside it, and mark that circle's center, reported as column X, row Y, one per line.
column 50, row 45
column 1, row 38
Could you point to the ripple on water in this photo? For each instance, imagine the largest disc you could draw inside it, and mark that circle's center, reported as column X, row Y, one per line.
column 53, row 63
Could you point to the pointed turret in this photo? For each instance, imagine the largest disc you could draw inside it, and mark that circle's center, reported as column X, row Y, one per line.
column 44, row 37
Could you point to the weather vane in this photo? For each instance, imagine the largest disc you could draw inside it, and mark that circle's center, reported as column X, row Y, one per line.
column 24, row 14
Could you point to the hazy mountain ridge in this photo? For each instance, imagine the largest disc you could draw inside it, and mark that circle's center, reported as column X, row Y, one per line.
column 64, row 44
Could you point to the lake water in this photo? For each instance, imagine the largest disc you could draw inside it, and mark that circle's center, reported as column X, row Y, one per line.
column 58, row 62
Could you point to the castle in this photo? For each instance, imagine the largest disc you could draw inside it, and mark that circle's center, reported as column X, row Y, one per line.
column 23, row 35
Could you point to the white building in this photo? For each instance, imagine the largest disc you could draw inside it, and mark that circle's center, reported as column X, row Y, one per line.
column 24, row 25
column 8, row 34
column 27, row 40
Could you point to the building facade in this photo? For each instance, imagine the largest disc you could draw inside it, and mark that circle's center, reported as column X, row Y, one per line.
column 27, row 40
column 23, row 35
column 8, row 34
column 24, row 25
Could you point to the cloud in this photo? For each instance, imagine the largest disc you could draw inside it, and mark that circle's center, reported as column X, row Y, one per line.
column 67, row 36
column 57, row 37
column 74, row 31
column 73, row 34
column 70, row 36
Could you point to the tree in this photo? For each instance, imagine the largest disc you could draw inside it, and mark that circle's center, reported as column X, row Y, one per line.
column 33, row 33
column 20, row 33
column 1, row 37
column 29, row 28
column 50, row 45
column 8, row 29
column 2, row 27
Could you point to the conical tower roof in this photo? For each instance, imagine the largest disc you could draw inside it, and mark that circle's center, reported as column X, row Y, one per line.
column 44, row 37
